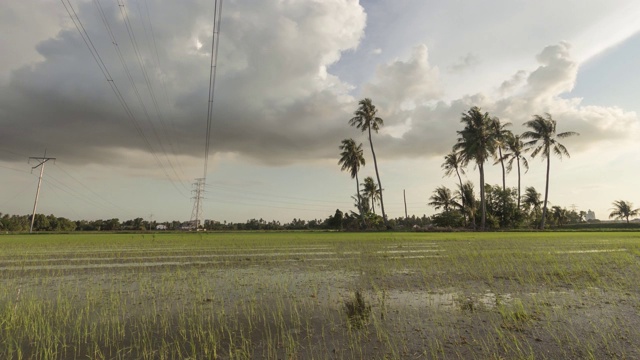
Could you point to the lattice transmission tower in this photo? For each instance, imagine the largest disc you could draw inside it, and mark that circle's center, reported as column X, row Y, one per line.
column 198, row 196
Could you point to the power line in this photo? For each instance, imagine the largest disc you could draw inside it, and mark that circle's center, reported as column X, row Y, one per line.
column 104, row 203
column 136, row 49
column 200, row 183
column 279, row 196
column 14, row 153
column 60, row 198
column 217, row 14
column 14, row 169
column 96, row 56
column 55, row 183
column 164, row 85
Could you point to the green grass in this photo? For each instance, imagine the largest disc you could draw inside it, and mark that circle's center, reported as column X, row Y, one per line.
column 286, row 295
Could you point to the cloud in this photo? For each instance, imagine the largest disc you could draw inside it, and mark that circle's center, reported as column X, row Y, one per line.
column 400, row 84
column 275, row 101
column 513, row 83
column 466, row 62
column 432, row 129
column 556, row 74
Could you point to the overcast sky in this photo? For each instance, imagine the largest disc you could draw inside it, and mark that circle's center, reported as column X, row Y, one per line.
column 290, row 74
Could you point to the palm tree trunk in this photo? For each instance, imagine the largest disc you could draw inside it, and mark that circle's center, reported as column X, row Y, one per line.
column 504, row 183
column 462, row 198
column 482, row 202
column 518, row 183
column 373, row 204
column 359, row 202
column 375, row 164
column 546, row 194
column 460, row 180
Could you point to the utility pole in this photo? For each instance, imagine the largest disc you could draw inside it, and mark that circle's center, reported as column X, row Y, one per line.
column 405, row 203
column 198, row 193
column 42, row 160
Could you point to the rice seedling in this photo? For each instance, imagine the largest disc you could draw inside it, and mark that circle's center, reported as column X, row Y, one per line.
column 290, row 295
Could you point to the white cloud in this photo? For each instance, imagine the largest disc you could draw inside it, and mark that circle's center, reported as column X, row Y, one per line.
column 464, row 63
column 433, row 126
column 401, row 84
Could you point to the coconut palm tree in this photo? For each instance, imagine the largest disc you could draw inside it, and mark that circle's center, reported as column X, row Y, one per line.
column 475, row 143
column 351, row 158
column 559, row 215
column 622, row 210
column 531, row 202
column 531, row 199
column 370, row 191
column 467, row 204
column 453, row 163
column 365, row 119
column 544, row 140
column 515, row 151
column 500, row 136
column 442, row 198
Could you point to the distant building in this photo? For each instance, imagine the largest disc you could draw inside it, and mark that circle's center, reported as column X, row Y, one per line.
column 188, row 225
column 161, row 227
column 591, row 215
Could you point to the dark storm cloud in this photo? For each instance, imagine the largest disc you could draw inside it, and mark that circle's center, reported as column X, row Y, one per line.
column 274, row 101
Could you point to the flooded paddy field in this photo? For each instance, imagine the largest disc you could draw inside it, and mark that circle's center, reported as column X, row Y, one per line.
column 320, row 296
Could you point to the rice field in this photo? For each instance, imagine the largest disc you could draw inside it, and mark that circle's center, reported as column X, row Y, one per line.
column 306, row 295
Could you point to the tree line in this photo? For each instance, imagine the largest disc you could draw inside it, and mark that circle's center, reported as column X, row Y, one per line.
column 483, row 139
column 51, row 223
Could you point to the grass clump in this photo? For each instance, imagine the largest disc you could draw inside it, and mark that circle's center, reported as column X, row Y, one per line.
column 358, row 311
column 515, row 316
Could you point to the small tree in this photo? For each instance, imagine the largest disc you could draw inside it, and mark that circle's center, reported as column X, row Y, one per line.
column 371, row 191
column 442, row 198
column 623, row 210
column 351, row 158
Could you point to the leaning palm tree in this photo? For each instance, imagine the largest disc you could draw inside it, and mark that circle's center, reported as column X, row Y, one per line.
column 370, row 191
column 453, row 163
column 622, row 210
column 365, row 119
column 475, row 143
column 515, row 151
column 442, row 198
column 500, row 136
column 544, row 140
column 351, row 158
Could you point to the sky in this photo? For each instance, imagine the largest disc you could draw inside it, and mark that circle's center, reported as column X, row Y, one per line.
column 290, row 74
